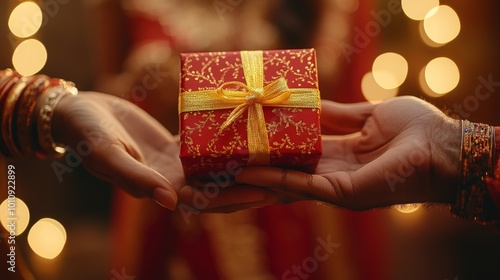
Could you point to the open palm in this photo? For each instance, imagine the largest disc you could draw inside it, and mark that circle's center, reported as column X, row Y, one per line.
column 398, row 151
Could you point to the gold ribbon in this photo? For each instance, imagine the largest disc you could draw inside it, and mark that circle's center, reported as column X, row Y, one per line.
column 253, row 98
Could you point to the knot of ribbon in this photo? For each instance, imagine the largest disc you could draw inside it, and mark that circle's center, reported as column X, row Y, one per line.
column 274, row 93
column 252, row 99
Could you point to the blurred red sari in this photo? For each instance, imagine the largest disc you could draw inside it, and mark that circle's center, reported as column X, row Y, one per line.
column 299, row 241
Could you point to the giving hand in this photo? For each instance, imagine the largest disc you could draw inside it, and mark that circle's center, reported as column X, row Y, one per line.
column 127, row 147
column 131, row 150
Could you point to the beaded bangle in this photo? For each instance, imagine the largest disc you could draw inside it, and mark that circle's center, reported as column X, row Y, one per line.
column 474, row 201
column 23, row 131
column 48, row 147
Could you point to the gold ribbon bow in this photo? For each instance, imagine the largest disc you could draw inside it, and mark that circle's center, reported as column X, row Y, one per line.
column 254, row 97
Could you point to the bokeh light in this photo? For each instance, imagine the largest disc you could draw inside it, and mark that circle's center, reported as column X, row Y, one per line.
column 418, row 9
column 426, row 38
column 441, row 75
column 407, row 208
column 47, row 238
column 29, row 57
column 26, row 19
column 423, row 84
column 373, row 92
column 442, row 24
column 20, row 217
column 390, row 70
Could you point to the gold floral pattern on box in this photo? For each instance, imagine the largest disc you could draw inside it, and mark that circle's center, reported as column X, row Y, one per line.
column 294, row 134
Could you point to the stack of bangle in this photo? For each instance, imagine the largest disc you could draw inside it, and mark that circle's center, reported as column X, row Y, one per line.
column 25, row 132
column 474, row 201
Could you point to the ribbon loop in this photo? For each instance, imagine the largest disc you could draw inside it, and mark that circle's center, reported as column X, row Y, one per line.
column 275, row 93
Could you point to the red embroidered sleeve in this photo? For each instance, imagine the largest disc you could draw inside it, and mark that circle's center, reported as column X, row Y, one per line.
column 494, row 182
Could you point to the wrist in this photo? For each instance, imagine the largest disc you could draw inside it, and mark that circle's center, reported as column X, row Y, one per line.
column 61, row 130
column 446, row 160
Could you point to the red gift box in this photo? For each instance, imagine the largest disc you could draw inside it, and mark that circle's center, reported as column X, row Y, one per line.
column 249, row 108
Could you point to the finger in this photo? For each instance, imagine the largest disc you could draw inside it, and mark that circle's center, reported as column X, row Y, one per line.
column 239, row 207
column 291, row 182
column 336, row 188
column 120, row 169
column 362, row 189
column 139, row 120
column 227, row 199
column 345, row 118
column 233, row 208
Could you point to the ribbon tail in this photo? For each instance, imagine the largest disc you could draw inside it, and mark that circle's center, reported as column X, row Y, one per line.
column 258, row 144
column 235, row 114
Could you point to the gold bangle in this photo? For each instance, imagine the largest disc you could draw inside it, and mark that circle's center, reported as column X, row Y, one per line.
column 16, row 113
column 27, row 102
column 5, row 74
column 7, row 114
column 9, row 79
column 8, row 83
column 47, row 144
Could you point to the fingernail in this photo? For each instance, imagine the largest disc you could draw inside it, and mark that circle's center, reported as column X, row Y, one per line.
column 164, row 198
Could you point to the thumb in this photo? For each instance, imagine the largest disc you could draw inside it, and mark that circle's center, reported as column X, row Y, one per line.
column 117, row 167
column 345, row 118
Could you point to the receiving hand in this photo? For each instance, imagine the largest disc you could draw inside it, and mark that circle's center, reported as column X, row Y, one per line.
column 401, row 150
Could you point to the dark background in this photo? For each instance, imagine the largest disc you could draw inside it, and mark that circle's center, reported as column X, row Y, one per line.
column 427, row 245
